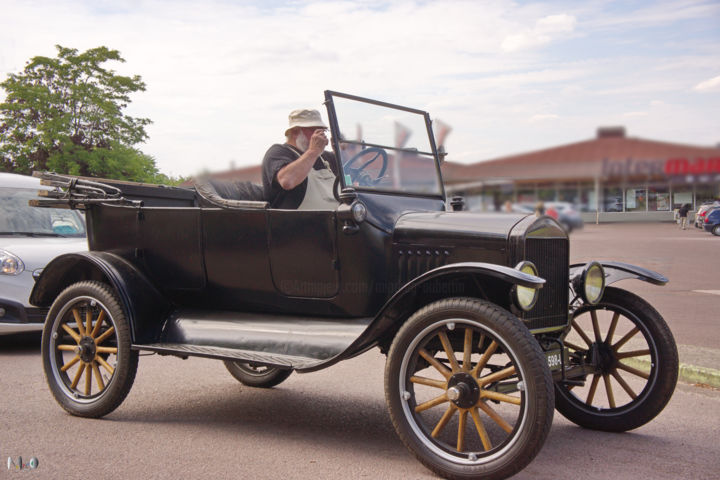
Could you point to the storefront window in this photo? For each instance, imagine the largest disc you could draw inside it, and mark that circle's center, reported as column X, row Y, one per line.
column 681, row 197
column 706, row 193
column 612, row 199
column 635, row 199
column 658, row 198
column 546, row 192
column 526, row 195
column 587, row 198
column 568, row 192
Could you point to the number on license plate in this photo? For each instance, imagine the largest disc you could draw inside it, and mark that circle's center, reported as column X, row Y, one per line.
column 554, row 359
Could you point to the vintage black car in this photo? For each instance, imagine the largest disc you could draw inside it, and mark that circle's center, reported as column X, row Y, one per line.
column 486, row 327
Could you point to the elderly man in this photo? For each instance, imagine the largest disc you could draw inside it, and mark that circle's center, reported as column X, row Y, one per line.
column 300, row 173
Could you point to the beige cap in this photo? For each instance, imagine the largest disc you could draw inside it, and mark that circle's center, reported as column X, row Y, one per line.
column 304, row 118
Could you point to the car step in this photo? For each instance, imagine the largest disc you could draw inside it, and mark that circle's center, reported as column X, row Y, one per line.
column 260, row 358
column 289, row 342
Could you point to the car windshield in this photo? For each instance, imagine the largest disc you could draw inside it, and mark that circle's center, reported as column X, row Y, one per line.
column 19, row 218
column 384, row 147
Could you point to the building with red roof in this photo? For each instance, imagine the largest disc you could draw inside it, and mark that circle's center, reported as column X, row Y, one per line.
column 609, row 174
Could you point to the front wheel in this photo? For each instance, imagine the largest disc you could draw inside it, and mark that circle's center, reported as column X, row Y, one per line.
column 86, row 352
column 629, row 361
column 469, row 390
column 253, row 375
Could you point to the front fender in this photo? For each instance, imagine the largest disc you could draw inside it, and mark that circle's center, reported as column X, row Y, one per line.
column 404, row 300
column 144, row 305
column 616, row 271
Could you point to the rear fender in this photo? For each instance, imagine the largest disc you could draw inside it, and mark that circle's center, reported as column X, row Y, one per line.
column 616, row 271
column 453, row 280
column 144, row 305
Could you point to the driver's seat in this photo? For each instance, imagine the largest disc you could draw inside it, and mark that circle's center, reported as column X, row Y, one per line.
column 231, row 194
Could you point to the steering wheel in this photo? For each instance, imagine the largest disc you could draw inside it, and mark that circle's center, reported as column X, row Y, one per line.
column 358, row 174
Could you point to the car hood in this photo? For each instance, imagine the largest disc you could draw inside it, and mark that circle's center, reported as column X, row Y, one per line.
column 36, row 252
column 462, row 227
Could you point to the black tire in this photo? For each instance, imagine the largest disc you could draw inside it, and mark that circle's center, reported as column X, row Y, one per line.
column 419, row 367
column 716, row 230
column 87, row 335
column 645, row 361
column 256, row 375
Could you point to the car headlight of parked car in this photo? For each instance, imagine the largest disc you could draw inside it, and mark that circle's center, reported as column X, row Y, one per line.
column 10, row 264
column 526, row 297
column 590, row 284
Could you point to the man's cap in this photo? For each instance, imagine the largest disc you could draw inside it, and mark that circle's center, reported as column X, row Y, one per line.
column 304, row 118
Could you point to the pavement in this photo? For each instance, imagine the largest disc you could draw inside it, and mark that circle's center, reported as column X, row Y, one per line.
column 691, row 260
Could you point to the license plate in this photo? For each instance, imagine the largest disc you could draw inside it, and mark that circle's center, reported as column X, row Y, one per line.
column 554, row 359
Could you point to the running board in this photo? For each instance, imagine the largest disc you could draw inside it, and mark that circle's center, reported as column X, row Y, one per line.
column 299, row 343
column 260, row 358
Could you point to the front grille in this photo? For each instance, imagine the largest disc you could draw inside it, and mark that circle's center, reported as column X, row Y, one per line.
column 551, row 257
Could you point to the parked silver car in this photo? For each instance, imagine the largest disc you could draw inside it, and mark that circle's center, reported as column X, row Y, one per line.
column 29, row 239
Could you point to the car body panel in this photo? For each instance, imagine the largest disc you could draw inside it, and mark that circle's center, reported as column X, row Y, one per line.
column 616, row 271
column 712, row 219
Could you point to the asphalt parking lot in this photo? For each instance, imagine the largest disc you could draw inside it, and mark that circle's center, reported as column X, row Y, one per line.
column 690, row 259
column 191, row 419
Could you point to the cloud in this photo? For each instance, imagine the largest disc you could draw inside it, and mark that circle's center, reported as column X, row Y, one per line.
column 543, row 117
column 710, row 85
column 543, row 32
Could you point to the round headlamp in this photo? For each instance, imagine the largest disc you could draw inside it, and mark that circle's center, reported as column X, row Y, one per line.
column 591, row 283
column 10, row 264
column 525, row 297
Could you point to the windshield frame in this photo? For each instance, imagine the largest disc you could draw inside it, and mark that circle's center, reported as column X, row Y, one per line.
column 335, row 140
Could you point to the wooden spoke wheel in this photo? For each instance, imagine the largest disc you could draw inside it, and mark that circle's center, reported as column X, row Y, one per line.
column 630, row 364
column 469, row 390
column 254, row 375
column 86, row 351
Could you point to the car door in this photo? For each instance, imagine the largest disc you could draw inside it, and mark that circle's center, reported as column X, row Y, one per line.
column 303, row 252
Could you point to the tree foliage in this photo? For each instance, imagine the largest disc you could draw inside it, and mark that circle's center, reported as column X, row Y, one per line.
column 65, row 114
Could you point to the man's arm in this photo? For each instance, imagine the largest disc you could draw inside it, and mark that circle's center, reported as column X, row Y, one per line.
column 294, row 173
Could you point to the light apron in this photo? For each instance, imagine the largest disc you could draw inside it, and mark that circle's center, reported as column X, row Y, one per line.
column 319, row 191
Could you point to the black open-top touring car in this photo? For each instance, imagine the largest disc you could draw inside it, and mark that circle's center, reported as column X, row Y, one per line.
column 486, row 327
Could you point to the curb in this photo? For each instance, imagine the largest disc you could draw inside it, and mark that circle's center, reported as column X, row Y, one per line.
column 686, row 373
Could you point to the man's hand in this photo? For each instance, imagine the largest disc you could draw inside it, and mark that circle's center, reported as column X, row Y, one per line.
column 318, row 141
column 294, row 173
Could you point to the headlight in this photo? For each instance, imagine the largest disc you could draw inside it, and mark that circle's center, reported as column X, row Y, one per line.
column 526, row 297
column 591, row 283
column 10, row 264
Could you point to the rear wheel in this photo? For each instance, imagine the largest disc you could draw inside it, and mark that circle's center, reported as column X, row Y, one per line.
column 716, row 230
column 631, row 364
column 469, row 390
column 254, row 375
column 88, row 362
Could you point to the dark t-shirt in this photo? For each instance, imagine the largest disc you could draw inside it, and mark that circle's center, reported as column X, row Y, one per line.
column 276, row 158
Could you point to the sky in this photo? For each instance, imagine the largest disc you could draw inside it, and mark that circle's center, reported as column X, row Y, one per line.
column 508, row 76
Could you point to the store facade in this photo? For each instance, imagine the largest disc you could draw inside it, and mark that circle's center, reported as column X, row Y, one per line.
column 609, row 178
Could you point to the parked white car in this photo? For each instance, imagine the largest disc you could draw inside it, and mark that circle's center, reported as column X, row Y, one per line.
column 29, row 239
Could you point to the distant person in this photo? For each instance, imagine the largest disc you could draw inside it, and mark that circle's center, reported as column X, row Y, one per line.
column 539, row 209
column 300, row 173
column 683, row 213
column 507, row 208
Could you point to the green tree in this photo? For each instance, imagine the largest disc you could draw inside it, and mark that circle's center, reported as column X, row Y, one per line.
column 65, row 114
